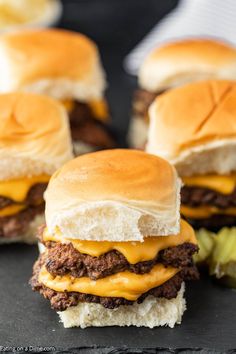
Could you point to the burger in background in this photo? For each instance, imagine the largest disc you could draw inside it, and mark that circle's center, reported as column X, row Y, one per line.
column 194, row 128
column 172, row 65
column 65, row 65
column 34, row 142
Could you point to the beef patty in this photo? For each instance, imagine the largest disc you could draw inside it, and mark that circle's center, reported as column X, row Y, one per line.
column 60, row 301
column 199, row 196
column 17, row 224
column 87, row 129
column 213, row 223
column 64, row 259
column 13, row 225
column 34, row 196
column 142, row 100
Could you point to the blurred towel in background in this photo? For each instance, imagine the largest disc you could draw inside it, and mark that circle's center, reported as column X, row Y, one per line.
column 192, row 18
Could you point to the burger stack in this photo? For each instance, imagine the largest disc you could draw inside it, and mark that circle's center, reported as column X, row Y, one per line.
column 116, row 251
column 64, row 65
column 194, row 128
column 34, row 142
column 175, row 64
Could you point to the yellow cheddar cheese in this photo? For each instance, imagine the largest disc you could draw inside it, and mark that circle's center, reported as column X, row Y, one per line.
column 124, row 284
column 68, row 104
column 99, row 109
column 205, row 211
column 134, row 252
column 11, row 209
column 224, row 184
column 17, row 189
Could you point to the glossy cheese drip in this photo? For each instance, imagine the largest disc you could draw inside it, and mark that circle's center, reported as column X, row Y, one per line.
column 224, row 184
column 124, row 284
column 134, row 252
column 17, row 189
column 98, row 107
column 205, row 211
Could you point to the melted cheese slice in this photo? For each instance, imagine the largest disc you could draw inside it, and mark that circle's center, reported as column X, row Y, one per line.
column 205, row 211
column 11, row 209
column 224, row 184
column 17, row 189
column 134, row 252
column 99, row 108
column 124, row 284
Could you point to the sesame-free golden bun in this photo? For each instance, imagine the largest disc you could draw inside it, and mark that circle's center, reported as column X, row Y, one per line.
column 34, row 135
column 181, row 62
column 58, row 63
column 194, row 127
column 114, row 195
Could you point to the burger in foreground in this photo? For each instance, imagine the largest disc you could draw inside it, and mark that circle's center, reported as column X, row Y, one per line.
column 175, row 64
column 64, row 65
column 116, row 252
column 34, row 142
column 194, row 128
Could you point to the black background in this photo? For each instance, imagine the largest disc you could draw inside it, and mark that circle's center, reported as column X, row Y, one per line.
column 25, row 317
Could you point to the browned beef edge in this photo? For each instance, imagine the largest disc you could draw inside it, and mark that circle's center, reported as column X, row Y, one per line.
column 213, row 223
column 62, row 259
column 199, row 196
column 60, row 301
column 17, row 224
column 87, row 129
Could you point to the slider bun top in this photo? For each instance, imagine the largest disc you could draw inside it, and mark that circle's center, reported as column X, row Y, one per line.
column 114, row 195
column 180, row 62
column 34, row 135
column 194, row 127
column 58, row 63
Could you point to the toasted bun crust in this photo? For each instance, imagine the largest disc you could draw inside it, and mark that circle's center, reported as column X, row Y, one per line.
column 114, row 195
column 34, row 135
column 151, row 313
column 194, row 127
column 58, row 63
column 177, row 63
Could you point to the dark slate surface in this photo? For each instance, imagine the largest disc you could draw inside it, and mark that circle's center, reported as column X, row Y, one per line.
column 26, row 320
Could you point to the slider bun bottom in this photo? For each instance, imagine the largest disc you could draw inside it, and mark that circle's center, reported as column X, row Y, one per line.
column 138, row 133
column 151, row 313
column 29, row 236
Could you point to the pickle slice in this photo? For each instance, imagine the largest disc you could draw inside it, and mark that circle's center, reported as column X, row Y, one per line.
column 223, row 259
column 206, row 244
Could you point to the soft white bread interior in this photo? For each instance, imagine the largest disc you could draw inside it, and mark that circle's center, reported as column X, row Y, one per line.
column 151, row 313
column 34, row 135
column 29, row 235
column 194, row 127
column 114, row 195
column 58, row 63
column 180, row 62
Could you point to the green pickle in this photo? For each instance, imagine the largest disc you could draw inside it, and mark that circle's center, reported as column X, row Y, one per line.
column 223, row 258
column 206, row 244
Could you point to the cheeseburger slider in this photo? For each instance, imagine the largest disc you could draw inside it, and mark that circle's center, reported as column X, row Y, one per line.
column 116, row 251
column 64, row 65
column 172, row 65
column 194, row 127
column 34, row 142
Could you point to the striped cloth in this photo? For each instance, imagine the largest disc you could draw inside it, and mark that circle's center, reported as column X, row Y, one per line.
column 192, row 18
